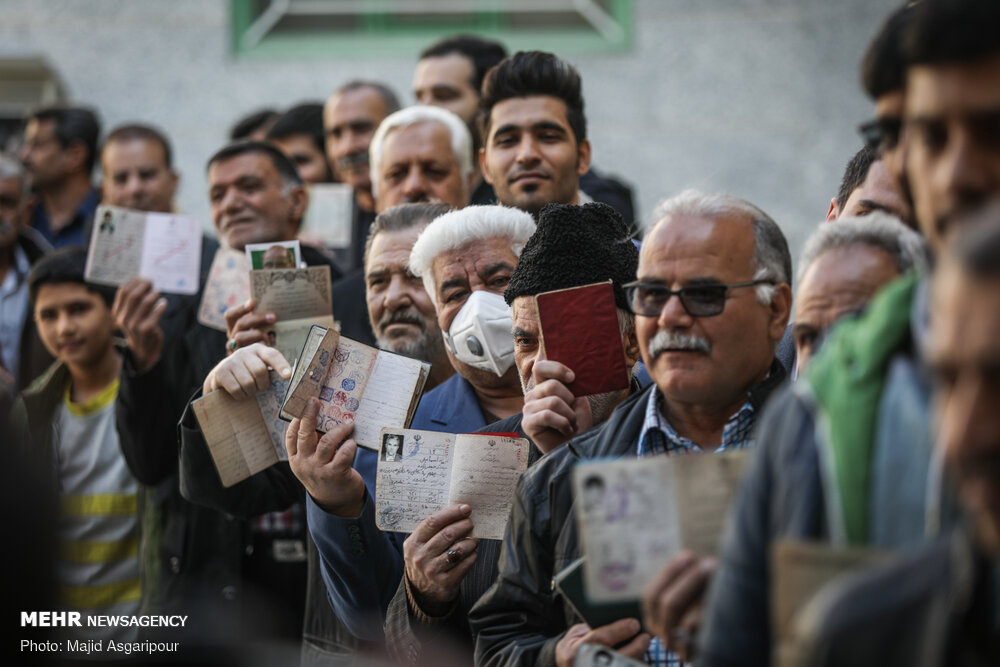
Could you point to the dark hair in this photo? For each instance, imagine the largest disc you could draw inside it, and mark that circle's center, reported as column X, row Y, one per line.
column 484, row 54
column 952, row 31
column 855, row 173
column 133, row 132
column 530, row 73
column 593, row 481
column 403, row 216
column 389, row 98
column 302, row 119
column 73, row 124
column 247, row 125
column 65, row 265
column 883, row 69
column 284, row 166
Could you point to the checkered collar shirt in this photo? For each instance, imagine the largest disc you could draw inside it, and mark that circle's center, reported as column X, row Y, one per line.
column 659, row 437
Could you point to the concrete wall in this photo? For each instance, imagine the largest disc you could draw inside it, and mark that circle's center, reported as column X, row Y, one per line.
column 758, row 98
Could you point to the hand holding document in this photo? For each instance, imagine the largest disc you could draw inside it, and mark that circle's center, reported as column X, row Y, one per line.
column 244, row 436
column 354, row 382
column 162, row 247
column 423, row 472
column 634, row 515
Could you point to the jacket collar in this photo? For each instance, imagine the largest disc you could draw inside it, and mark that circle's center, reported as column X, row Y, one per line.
column 618, row 436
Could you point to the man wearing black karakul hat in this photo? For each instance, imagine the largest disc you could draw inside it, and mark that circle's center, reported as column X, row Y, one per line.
column 572, row 246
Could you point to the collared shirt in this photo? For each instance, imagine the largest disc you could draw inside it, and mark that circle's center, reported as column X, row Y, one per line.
column 659, row 437
column 75, row 232
column 13, row 310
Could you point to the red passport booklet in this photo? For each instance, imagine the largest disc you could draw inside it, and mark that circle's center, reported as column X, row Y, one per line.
column 579, row 328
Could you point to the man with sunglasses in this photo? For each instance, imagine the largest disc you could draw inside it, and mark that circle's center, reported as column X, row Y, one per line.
column 711, row 354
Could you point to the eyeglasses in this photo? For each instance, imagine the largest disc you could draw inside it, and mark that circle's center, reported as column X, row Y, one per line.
column 881, row 134
column 648, row 299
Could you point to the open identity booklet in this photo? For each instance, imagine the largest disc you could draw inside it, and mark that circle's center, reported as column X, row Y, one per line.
column 373, row 388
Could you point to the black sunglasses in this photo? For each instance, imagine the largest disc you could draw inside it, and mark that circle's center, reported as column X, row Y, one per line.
column 648, row 299
column 881, row 134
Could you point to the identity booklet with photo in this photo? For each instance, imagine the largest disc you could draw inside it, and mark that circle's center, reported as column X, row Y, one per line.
column 423, row 472
column 374, row 388
column 634, row 515
column 163, row 247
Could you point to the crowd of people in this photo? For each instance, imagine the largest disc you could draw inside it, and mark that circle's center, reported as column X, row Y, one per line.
column 866, row 389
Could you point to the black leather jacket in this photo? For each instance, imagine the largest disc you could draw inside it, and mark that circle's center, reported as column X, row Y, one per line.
column 520, row 619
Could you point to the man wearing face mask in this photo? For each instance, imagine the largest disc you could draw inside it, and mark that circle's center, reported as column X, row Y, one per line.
column 466, row 259
column 444, row 576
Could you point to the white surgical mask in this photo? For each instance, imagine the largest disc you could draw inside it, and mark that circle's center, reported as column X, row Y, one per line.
column 480, row 335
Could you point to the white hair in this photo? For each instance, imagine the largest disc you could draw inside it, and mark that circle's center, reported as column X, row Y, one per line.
column 461, row 139
column 878, row 230
column 457, row 229
column 11, row 167
column 771, row 257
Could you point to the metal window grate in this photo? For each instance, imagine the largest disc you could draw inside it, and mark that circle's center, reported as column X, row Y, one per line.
column 370, row 27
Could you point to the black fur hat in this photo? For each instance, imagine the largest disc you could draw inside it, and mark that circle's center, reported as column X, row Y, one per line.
column 574, row 246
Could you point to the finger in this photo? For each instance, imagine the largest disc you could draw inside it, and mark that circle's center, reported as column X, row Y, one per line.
column 637, row 647
column 615, row 633
column 236, row 312
column 681, row 640
column 681, row 596
column 433, row 524
column 152, row 319
column 552, row 388
column 275, row 359
column 247, row 338
column 578, row 630
column 135, row 316
column 291, row 439
column 660, row 583
column 258, row 371
column 331, row 441
column 546, row 369
column 552, row 412
column 238, row 381
column 306, row 435
column 450, row 538
column 459, row 570
column 128, row 295
column 253, row 321
column 344, row 456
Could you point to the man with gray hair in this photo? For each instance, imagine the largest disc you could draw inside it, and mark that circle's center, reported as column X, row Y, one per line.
column 465, row 259
column 844, row 263
column 419, row 154
column 711, row 355
column 22, row 355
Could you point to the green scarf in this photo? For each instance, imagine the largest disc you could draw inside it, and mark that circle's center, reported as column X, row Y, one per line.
column 846, row 379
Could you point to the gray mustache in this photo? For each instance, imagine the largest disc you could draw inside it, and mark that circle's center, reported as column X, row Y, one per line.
column 405, row 316
column 671, row 340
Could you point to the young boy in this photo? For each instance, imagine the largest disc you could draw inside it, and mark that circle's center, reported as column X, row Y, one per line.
column 65, row 421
